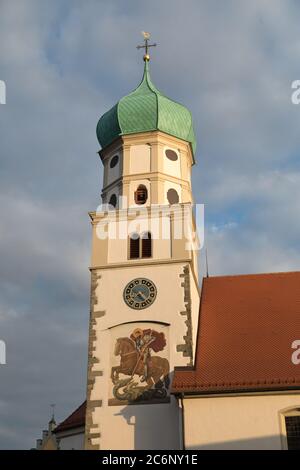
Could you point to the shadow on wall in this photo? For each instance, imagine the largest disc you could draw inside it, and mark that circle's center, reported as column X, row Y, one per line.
column 156, row 425
column 261, row 443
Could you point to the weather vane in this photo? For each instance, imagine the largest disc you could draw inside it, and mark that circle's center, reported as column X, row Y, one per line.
column 146, row 46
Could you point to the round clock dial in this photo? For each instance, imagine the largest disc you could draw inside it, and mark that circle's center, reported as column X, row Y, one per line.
column 140, row 293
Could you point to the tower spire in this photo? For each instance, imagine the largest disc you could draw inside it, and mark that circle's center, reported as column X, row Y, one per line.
column 52, row 406
column 146, row 46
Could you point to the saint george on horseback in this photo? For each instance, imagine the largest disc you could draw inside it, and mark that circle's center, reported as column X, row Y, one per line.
column 143, row 340
column 137, row 360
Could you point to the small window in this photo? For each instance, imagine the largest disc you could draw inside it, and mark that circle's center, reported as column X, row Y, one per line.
column 141, row 195
column 146, row 245
column 113, row 200
column 140, row 247
column 292, row 424
column 171, row 155
column 134, row 248
column 114, row 161
column 172, row 196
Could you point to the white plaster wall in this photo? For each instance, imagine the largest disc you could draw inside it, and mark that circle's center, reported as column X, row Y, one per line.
column 189, row 172
column 169, row 167
column 239, row 423
column 137, row 426
column 113, row 173
column 113, row 190
column 161, row 247
column 160, row 227
column 170, row 298
column 140, row 427
column 117, row 251
column 168, row 185
column 140, row 159
column 75, row 441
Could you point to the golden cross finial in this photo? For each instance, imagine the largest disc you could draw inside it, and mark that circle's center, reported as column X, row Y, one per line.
column 146, row 46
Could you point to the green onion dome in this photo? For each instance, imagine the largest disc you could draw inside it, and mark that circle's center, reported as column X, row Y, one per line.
column 146, row 109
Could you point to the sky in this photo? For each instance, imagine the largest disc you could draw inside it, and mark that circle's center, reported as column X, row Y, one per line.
column 66, row 62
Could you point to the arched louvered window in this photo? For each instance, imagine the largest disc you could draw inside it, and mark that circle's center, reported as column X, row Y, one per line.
column 140, row 247
column 290, row 422
column 146, row 245
column 141, row 195
column 113, row 200
column 134, row 246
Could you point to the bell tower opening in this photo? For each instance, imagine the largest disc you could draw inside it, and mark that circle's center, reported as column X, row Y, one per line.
column 134, row 246
column 141, row 195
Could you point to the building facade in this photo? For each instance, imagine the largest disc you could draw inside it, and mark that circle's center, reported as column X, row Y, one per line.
column 243, row 391
column 144, row 276
column 171, row 366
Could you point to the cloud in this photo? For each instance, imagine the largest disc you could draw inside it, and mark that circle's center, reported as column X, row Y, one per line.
column 64, row 64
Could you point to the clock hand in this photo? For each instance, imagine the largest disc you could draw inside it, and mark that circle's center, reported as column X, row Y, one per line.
column 139, row 293
column 142, row 295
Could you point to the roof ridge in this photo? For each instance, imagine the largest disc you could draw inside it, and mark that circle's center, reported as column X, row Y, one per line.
column 246, row 328
column 244, row 383
column 67, row 422
column 150, row 84
column 249, row 275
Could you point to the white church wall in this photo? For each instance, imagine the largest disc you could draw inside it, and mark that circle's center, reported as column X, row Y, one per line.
column 136, row 426
column 169, row 300
column 113, row 191
column 236, row 422
column 71, row 441
column 171, row 167
column 141, row 427
column 140, row 159
column 111, row 174
column 117, row 250
column 161, row 229
column 118, row 247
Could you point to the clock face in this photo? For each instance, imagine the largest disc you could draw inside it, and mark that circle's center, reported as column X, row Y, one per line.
column 140, row 293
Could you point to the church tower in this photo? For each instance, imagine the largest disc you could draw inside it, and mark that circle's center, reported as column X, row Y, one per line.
column 144, row 277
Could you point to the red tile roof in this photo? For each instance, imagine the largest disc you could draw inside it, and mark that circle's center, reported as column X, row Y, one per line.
column 247, row 325
column 75, row 420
